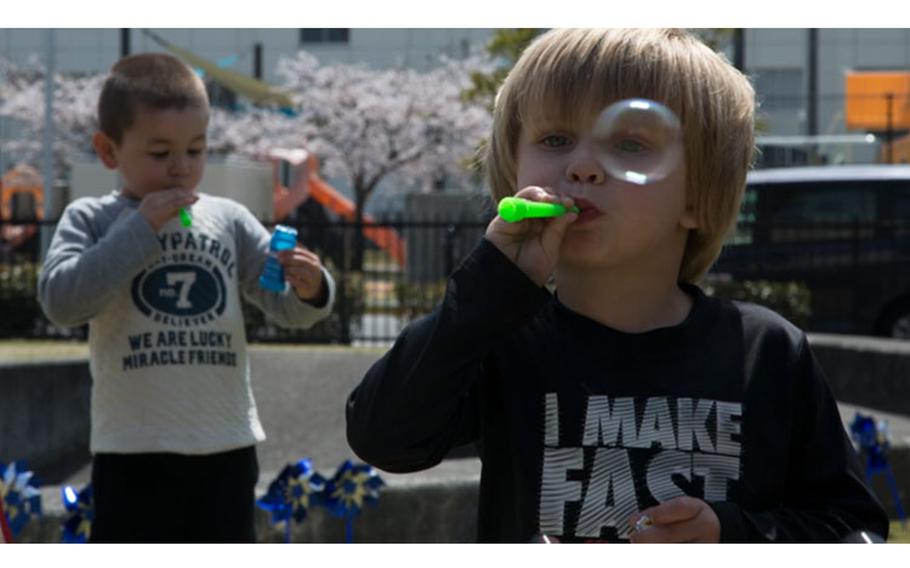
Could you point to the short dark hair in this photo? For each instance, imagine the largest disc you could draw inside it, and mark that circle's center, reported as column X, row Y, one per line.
column 152, row 80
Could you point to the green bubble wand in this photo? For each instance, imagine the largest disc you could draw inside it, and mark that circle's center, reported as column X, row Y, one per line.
column 515, row 209
column 185, row 218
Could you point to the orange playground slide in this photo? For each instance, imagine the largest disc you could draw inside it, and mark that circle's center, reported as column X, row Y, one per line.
column 22, row 179
column 309, row 184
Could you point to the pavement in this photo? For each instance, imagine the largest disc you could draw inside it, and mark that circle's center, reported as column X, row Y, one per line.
column 301, row 394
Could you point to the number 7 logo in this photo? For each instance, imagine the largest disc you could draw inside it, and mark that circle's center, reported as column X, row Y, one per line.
column 184, row 281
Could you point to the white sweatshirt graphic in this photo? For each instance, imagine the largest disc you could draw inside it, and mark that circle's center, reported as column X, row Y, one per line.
column 166, row 334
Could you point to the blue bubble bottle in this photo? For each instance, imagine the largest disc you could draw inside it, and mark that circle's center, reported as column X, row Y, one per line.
column 272, row 278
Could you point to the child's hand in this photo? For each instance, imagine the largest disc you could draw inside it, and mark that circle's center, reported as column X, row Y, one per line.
column 158, row 207
column 683, row 519
column 533, row 244
column 303, row 271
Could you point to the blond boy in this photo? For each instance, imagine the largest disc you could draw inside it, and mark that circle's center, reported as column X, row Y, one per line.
column 629, row 405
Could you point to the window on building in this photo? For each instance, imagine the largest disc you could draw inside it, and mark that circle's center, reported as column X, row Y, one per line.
column 325, row 35
column 779, row 89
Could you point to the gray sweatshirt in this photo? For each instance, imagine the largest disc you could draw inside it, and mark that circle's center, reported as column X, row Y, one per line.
column 168, row 350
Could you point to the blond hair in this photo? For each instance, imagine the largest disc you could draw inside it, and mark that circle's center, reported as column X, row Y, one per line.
column 572, row 73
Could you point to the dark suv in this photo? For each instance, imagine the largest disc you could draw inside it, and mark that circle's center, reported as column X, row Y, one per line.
column 844, row 231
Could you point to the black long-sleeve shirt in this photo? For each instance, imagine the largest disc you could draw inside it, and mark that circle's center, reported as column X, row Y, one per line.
column 579, row 426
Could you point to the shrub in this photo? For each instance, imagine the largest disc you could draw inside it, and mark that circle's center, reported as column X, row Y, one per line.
column 418, row 299
column 789, row 299
column 18, row 304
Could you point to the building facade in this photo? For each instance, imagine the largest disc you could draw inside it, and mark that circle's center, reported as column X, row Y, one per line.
column 799, row 74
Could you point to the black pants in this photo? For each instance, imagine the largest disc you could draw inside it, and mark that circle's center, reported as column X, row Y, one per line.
column 165, row 497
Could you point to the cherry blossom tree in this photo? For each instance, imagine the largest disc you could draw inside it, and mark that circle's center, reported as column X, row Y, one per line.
column 366, row 125
column 22, row 99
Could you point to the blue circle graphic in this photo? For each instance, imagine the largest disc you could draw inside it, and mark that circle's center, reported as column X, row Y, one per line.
column 181, row 290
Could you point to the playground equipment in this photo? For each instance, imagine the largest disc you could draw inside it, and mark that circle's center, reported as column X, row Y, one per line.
column 308, row 183
column 234, row 180
column 258, row 92
column 21, row 199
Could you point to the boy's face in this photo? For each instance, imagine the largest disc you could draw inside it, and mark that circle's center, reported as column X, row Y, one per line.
column 163, row 149
column 620, row 223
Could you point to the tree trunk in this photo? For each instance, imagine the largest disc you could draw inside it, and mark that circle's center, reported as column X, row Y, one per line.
column 361, row 195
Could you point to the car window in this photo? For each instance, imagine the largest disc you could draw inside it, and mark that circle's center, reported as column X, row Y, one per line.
column 813, row 204
column 900, row 205
column 897, row 213
column 811, row 212
column 745, row 222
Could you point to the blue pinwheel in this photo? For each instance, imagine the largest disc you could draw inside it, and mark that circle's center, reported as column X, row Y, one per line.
column 20, row 495
column 874, row 442
column 351, row 487
column 292, row 493
column 78, row 527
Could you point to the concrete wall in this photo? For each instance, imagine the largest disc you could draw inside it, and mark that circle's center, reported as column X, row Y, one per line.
column 44, row 416
column 868, row 372
column 44, row 407
column 44, row 419
column 244, row 181
column 95, row 50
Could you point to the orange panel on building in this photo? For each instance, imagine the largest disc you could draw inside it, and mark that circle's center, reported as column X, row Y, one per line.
column 866, row 100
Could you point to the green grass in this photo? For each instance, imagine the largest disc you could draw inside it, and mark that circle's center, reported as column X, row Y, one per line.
column 22, row 350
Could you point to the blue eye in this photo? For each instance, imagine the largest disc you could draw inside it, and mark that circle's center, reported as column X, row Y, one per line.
column 555, row 141
column 630, row 146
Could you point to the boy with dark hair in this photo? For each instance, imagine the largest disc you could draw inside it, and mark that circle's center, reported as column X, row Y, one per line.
column 174, row 423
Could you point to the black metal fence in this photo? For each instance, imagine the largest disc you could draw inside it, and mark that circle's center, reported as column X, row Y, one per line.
column 857, row 276
column 386, row 275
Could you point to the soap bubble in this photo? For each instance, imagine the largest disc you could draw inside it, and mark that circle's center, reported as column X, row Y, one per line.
column 638, row 140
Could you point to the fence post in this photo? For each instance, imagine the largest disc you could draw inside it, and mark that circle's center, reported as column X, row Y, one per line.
column 341, row 286
column 854, row 308
column 449, row 249
column 889, row 99
column 48, row 170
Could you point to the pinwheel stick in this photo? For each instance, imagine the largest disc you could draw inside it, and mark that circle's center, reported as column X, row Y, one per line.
column 515, row 209
column 6, row 535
